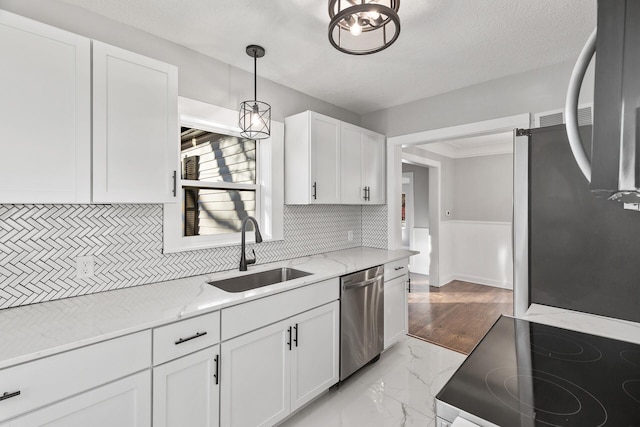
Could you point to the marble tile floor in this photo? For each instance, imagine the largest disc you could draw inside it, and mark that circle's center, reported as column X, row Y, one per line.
column 398, row 390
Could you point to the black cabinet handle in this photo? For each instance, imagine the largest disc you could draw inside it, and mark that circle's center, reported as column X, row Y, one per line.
column 193, row 337
column 175, row 183
column 295, row 340
column 217, row 374
column 315, row 190
column 6, row 395
column 398, row 268
column 289, row 342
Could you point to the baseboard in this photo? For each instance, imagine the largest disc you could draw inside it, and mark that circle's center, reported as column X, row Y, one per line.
column 483, row 281
column 444, row 280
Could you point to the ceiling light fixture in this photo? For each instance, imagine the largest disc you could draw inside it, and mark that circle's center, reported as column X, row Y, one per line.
column 255, row 116
column 362, row 27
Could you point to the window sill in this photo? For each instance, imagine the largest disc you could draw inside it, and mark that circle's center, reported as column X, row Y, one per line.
column 198, row 246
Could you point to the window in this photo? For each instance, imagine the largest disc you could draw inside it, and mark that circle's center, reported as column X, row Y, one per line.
column 218, row 181
column 223, row 179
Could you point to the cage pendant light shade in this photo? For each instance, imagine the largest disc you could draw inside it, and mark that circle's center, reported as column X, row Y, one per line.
column 255, row 116
column 363, row 27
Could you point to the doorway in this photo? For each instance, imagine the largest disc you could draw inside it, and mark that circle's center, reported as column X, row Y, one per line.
column 415, row 233
column 450, row 260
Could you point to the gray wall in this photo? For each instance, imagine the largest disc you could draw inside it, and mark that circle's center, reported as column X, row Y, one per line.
column 483, row 188
column 420, row 194
column 531, row 92
column 200, row 77
column 447, row 178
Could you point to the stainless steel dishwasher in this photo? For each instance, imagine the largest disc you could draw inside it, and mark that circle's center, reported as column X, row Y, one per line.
column 361, row 319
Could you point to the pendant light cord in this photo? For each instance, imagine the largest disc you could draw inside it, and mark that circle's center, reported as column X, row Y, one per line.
column 255, row 76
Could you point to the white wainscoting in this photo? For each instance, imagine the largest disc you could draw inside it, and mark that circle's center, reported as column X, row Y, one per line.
column 476, row 251
column 420, row 241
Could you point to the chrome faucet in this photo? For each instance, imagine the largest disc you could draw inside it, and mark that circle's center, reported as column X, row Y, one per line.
column 243, row 257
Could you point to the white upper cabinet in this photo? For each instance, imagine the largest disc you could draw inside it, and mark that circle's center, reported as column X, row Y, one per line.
column 362, row 166
column 135, row 127
column 312, row 155
column 46, row 109
column 373, row 167
column 45, row 131
column 331, row 162
column 352, row 191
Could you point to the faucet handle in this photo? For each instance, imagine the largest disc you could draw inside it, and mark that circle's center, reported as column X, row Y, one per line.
column 252, row 260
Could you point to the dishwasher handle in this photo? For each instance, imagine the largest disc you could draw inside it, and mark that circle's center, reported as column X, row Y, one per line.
column 362, row 284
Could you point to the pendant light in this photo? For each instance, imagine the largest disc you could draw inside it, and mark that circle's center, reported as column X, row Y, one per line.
column 255, row 116
column 363, row 27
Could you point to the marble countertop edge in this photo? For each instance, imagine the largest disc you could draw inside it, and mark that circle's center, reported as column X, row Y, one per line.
column 39, row 330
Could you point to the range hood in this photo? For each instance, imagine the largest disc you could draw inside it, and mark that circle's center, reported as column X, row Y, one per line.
column 613, row 169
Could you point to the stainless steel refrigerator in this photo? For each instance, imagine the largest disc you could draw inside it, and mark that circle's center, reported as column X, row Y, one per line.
column 573, row 249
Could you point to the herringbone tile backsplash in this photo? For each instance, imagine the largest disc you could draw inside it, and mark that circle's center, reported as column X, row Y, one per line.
column 39, row 245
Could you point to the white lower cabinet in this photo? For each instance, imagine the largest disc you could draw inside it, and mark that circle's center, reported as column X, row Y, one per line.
column 186, row 392
column 122, row 403
column 315, row 361
column 255, row 377
column 395, row 310
column 268, row 373
column 395, row 301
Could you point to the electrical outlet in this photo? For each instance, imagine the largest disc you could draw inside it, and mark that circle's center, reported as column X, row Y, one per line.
column 350, row 235
column 84, row 266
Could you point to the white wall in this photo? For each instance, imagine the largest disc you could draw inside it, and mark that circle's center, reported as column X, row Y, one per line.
column 476, row 251
column 534, row 91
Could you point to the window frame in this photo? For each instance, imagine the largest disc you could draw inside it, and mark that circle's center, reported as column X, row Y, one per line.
column 269, row 181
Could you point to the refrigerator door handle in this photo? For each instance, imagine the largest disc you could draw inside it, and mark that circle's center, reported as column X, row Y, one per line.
column 571, row 105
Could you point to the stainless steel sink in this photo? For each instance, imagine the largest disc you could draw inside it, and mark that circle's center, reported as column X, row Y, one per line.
column 258, row 280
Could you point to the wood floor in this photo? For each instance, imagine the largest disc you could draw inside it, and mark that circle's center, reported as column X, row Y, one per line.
column 456, row 315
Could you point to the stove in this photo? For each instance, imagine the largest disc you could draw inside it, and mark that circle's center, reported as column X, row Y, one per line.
column 528, row 374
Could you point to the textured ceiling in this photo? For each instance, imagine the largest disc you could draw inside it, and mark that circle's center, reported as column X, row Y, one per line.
column 444, row 44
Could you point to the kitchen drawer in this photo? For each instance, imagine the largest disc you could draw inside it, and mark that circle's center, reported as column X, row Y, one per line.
column 54, row 378
column 185, row 337
column 396, row 269
column 243, row 318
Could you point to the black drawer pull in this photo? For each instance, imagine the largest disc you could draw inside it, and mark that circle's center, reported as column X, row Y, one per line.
column 289, row 342
column 398, row 268
column 217, row 374
column 295, row 340
column 197, row 335
column 7, row 395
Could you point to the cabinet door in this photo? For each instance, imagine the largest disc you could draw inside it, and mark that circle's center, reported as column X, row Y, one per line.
column 314, row 363
column 325, row 159
column 351, row 164
column 185, row 391
column 123, row 403
column 373, row 167
column 135, row 127
column 395, row 310
column 255, row 377
column 45, row 136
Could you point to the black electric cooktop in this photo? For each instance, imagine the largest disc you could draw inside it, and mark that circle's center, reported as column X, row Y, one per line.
column 527, row 374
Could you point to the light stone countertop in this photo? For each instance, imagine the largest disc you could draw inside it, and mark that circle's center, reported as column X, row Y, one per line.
column 584, row 322
column 38, row 330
